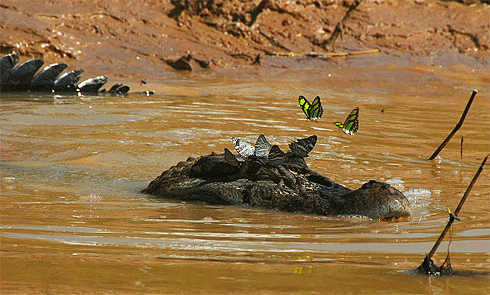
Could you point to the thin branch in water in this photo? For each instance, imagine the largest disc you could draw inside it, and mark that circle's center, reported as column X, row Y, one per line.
column 460, row 205
column 427, row 265
column 462, row 138
column 460, row 123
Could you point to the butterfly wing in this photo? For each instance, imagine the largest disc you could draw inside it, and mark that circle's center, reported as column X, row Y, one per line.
column 231, row 159
column 305, row 106
column 340, row 125
column 243, row 148
column 262, row 147
column 351, row 123
column 316, row 109
column 276, row 156
column 303, row 146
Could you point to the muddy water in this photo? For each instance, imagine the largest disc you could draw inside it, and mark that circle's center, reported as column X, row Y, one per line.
column 73, row 220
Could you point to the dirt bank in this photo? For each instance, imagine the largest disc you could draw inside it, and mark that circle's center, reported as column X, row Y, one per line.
column 134, row 38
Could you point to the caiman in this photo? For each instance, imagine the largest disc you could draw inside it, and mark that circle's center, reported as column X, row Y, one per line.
column 278, row 181
column 26, row 78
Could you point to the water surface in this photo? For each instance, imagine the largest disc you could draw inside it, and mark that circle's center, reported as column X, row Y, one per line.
column 72, row 168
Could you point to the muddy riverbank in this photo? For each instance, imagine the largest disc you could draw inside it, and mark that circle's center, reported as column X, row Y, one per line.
column 73, row 219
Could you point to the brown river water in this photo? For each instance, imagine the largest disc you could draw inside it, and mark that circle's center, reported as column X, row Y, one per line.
column 73, row 220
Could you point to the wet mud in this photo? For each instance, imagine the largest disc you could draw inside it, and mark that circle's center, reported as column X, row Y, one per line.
column 141, row 39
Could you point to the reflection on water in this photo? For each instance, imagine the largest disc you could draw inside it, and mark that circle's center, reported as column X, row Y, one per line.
column 72, row 168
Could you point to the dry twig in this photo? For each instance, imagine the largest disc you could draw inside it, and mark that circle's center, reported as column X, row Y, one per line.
column 460, row 123
column 428, row 265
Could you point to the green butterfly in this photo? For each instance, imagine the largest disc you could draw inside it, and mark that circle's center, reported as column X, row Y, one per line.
column 313, row 111
column 351, row 123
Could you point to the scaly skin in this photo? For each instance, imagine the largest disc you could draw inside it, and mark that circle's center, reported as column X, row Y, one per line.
column 290, row 187
column 23, row 78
